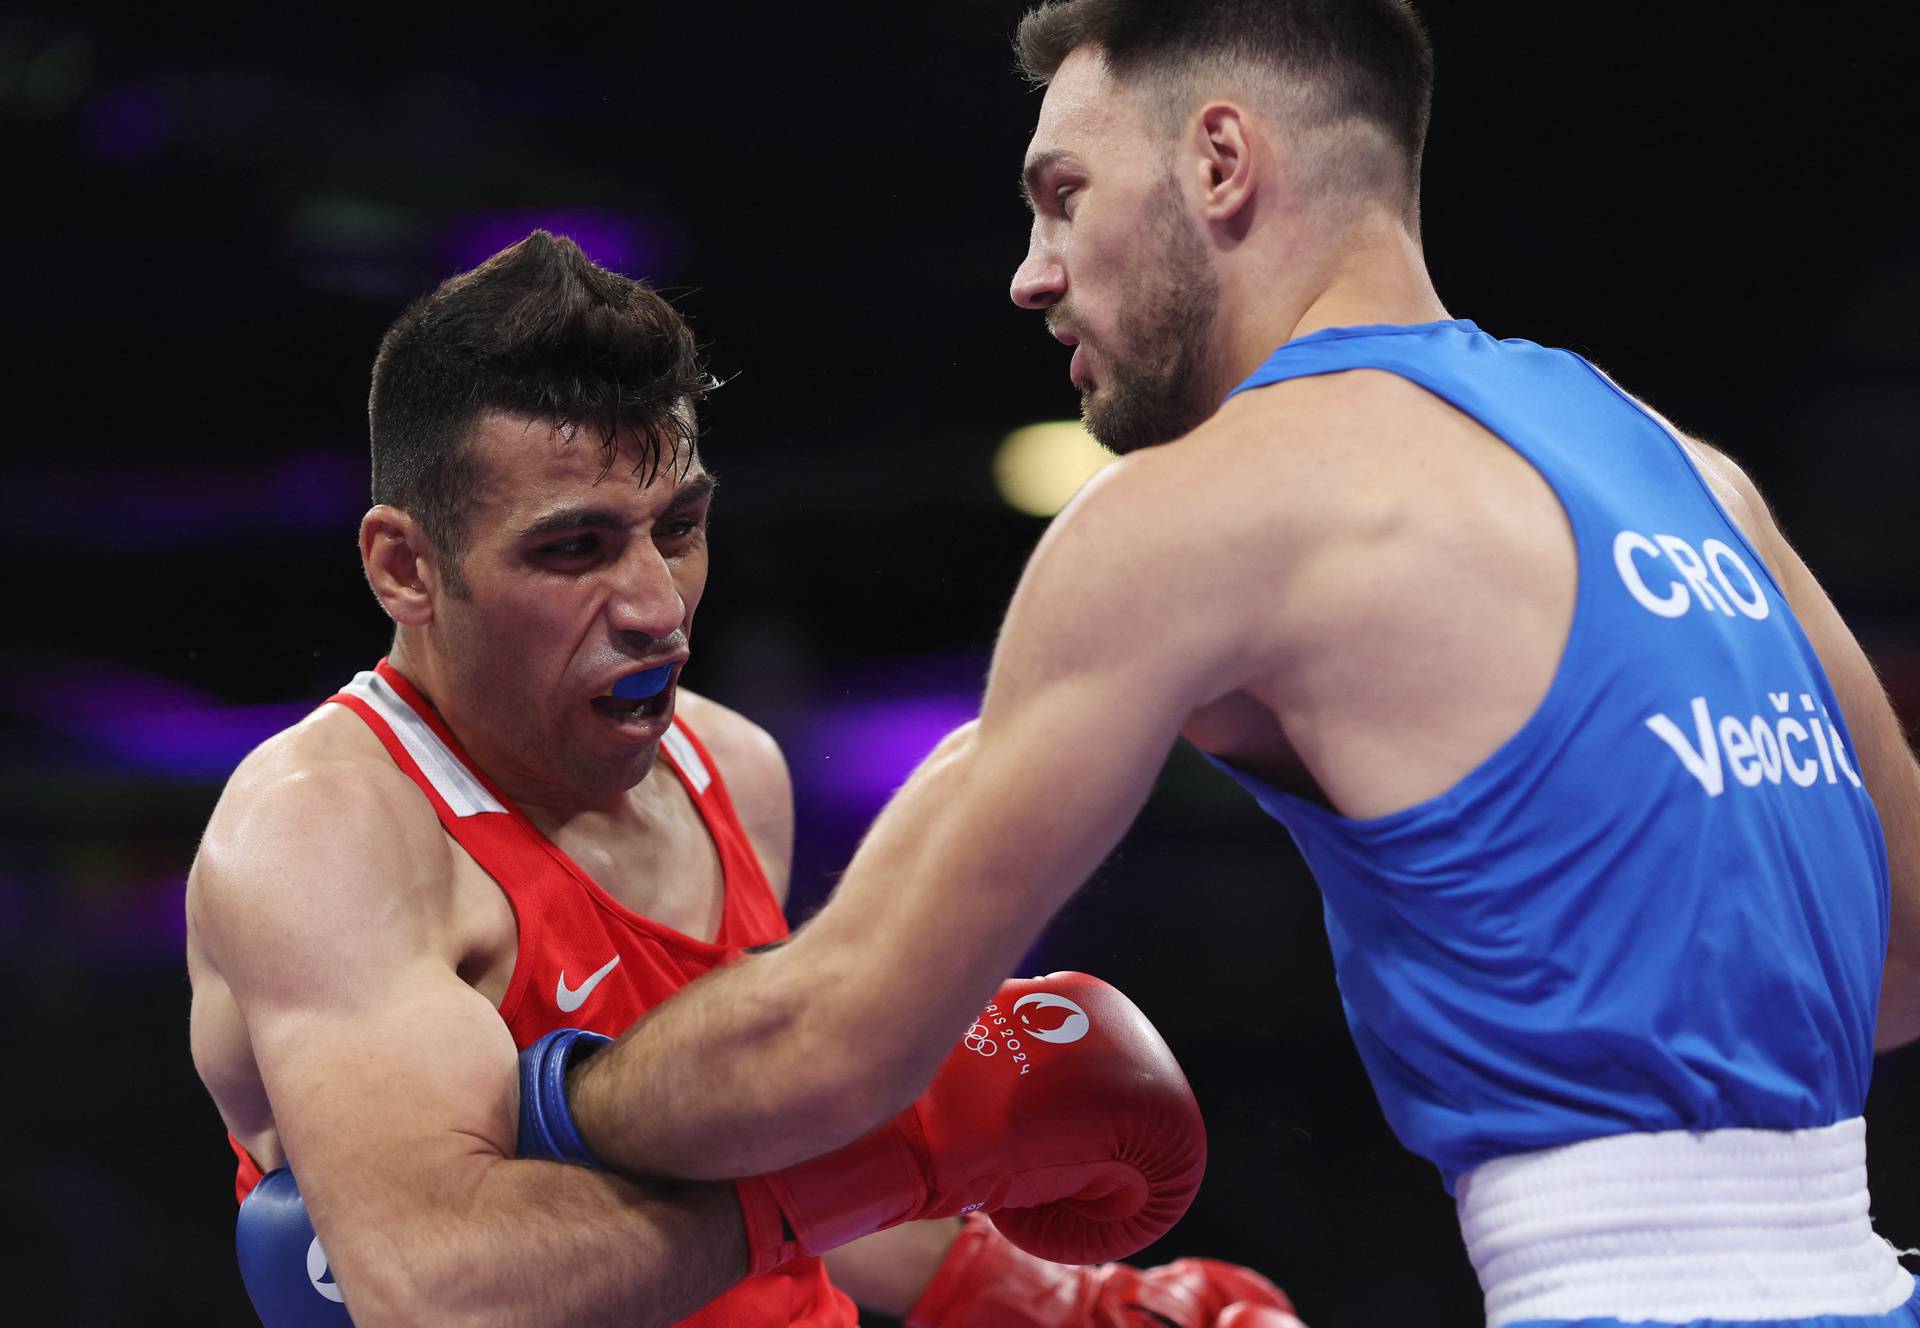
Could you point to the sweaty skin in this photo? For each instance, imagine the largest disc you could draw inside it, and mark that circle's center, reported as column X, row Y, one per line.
column 347, row 957
column 1341, row 584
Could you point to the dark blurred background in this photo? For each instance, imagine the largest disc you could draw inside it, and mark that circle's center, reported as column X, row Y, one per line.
column 213, row 213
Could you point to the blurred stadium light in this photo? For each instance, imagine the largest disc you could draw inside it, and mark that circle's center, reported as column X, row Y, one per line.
column 1039, row 468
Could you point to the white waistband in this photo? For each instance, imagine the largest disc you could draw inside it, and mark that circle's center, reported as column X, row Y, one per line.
column 1676, row 1226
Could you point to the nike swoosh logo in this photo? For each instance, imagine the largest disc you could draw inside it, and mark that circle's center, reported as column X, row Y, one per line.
column 570, row 999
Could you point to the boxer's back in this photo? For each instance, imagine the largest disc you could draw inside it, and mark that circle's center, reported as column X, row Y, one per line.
column 1658, row 900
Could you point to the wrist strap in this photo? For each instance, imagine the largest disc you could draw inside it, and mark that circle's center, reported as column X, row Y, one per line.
column 546, row 1123
column 875, row 1182
column 770, row 1241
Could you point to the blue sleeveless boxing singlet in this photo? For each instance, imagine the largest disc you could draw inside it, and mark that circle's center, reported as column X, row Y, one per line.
column 1663, row 903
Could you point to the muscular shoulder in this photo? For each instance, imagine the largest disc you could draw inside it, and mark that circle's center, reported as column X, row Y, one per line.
column 755, row 770
column 1286, row 465
column 1274, row 477
column 319, row 847
column 1733, row 487
column 1737, row 493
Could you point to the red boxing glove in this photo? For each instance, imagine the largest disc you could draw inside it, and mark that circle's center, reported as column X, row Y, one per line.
column 1061, row 1111
column 984, row 1282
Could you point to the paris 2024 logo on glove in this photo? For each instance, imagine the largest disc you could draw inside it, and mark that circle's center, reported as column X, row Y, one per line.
column 1039, row 1015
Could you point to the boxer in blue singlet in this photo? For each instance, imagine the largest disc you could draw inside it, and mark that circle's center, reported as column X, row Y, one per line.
column 1618, row 835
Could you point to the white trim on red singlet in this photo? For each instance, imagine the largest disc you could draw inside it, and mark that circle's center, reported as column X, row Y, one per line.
column 449, row 775
column 681, row 749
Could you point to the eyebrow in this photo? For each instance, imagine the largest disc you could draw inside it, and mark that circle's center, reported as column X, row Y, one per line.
column 1035, row 168
column 695, row 490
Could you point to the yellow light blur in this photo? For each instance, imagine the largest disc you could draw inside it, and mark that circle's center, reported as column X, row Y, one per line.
column 1040, row 467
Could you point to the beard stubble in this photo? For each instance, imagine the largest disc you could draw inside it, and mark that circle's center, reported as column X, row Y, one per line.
column 1157, row 386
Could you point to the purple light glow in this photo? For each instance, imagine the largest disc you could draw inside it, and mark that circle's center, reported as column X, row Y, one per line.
column 146, row 724
column 127, row 124
column 170, row 509
column 849, row 757
column 202, row 743
column 855, row 754
column 615, row 241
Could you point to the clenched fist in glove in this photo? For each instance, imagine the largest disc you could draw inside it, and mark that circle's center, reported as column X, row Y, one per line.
column 1061, row 1111
column 984, row 1282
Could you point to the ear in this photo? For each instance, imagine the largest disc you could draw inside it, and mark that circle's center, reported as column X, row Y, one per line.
column 1225, row 161
column 400, row 565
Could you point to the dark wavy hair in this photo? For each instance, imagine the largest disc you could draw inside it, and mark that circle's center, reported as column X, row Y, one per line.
column 1352, row 59
column 538, row 330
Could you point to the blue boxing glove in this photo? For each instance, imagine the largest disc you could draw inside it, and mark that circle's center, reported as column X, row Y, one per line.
column 281, row 1262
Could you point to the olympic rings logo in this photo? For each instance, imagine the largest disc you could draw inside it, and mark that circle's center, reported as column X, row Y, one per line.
column 979, row 1039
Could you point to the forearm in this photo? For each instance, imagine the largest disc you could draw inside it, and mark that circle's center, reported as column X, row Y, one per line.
column 728, row 1078
column 515, row 1243
column 803, row 1049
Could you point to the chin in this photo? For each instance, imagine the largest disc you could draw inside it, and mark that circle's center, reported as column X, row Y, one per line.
column 631, row 769
column 600, row 775
column 1126, row 418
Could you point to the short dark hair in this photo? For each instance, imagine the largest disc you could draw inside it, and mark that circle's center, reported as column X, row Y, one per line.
column 540, row 330
column 1364, row 59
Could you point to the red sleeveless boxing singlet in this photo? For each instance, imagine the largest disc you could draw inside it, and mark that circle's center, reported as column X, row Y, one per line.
column 584, row 960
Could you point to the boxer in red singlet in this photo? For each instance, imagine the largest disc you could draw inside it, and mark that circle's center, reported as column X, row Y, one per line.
column 473, row 845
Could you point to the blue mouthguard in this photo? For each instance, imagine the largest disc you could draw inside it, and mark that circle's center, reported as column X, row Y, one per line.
column 640, row 686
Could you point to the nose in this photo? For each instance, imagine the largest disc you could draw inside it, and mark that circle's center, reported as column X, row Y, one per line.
column 646, row 599
column 1040, row 281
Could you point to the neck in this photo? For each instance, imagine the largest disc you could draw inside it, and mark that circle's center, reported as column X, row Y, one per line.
column 637, row 809
column 416, row 665
column 1372, row 271
column 549, row 805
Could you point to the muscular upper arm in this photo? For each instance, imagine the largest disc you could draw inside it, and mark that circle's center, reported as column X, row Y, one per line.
column 1123, row 624
column 324, row 900
column 1886, row 759
column 757, row 781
